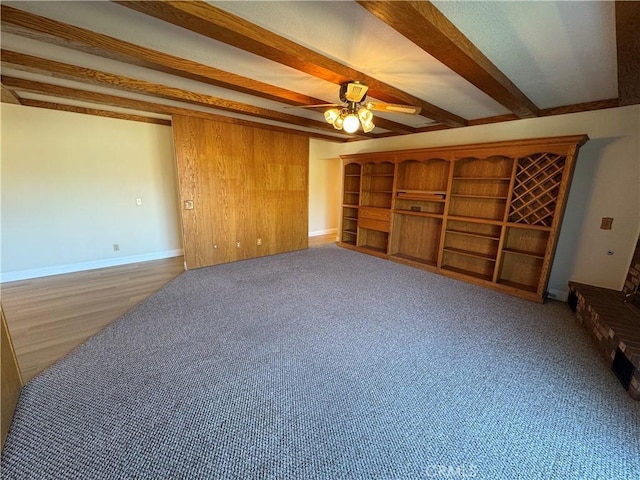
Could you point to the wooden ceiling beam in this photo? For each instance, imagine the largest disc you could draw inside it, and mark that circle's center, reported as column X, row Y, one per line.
column 30, row 63
column 222, row 26
column 9, row 96
column 628, row 46
column 143, row 106
column 27, row 102
column 423, row 24
column 80, row 39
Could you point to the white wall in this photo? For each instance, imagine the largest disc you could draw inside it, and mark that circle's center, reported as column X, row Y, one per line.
column 69, row 184
column 325, row 174
column 69, row 189
column 606, row 184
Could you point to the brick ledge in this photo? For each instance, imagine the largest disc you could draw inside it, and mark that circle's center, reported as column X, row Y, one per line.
column 613, row 324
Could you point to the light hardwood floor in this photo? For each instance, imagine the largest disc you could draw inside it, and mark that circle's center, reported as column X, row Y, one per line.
column 50, row 316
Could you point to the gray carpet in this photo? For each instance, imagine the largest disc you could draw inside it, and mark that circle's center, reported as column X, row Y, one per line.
column 328, row 364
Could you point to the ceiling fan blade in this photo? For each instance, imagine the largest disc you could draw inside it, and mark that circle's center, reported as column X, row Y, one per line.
column 316, row 106
column 392, row 107
column 355, row 92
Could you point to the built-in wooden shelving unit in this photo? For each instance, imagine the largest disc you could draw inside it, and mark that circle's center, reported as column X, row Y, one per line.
column 486, row 213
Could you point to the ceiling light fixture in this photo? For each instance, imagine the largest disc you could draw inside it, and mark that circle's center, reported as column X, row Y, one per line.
column 350, row 118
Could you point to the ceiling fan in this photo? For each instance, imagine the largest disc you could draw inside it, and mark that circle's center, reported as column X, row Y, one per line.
column 354, row 111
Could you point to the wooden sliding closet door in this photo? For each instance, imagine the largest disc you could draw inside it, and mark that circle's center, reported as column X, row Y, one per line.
column 243, row 191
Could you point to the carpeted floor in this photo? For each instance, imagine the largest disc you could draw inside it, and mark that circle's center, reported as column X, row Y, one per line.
column 328, row 364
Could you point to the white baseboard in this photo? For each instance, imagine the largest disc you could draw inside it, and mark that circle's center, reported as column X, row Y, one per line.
column 560, row 295
column 92, row 265
column 317, row 233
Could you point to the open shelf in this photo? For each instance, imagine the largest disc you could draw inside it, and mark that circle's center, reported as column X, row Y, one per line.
column 373, row 240
column 519, row 286
column 487, row 208
column 469, row 253
column 467, row 195
column 470, row 273
column 377, row 184
column 416, row 238
column 473, row 234
column 497, row 179
column 420, row 198
column 372, row 248
column 527, row 242
column 429, row 175
column 482, row 221
column 415, row 260
column 521, row 270
column 523, row 253
column 420, row 205
column 349, row 224
column 417, row 214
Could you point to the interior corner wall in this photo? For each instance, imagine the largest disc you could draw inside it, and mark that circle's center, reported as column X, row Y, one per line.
column 325, row 174
column 69, row 189
column 606, row 183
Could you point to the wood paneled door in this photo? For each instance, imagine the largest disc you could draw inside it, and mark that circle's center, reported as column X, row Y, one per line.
column 243, row 191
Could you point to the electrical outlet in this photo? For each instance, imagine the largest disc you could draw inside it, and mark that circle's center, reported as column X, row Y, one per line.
column 138, row 201
column 238, row 244
column 259, row 241
column 116, row 247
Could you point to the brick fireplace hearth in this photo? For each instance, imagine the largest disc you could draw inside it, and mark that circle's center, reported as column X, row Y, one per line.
column 613, row 319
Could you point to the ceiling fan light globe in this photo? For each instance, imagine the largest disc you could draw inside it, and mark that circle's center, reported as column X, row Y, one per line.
column 351, row 123
column 366, row 128
column 331, row 115
column 365, row 116
column 337, row 124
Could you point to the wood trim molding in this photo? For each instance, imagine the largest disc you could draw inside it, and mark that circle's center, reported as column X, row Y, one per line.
column 548, row 112
column 628, row 43
column 205, row 19
column 95, row 112
column 423, row 24
column 11, row 379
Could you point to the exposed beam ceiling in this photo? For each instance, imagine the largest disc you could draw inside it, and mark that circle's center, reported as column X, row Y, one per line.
column 247, row 62
column 217, row 24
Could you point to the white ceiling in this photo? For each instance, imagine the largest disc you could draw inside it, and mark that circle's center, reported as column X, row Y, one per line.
column 556, row 53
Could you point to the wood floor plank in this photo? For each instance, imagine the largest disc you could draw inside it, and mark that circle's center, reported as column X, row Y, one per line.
column 50, row 316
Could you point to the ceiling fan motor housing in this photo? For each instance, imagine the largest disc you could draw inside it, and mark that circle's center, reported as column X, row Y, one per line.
column 354, row 92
